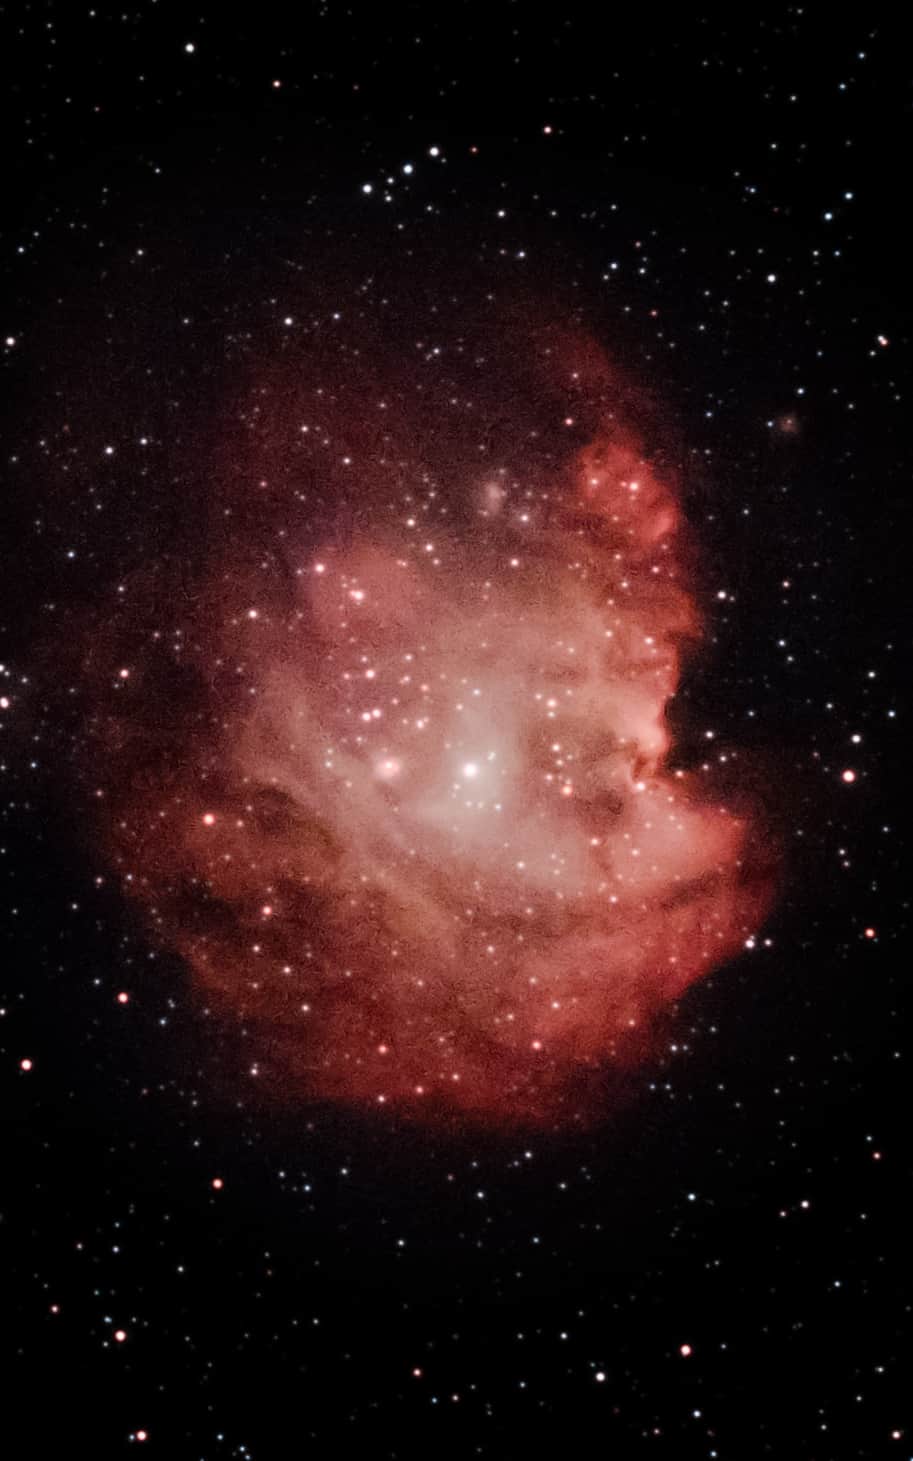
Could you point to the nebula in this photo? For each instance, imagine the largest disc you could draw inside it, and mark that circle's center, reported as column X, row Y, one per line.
column 386, row 758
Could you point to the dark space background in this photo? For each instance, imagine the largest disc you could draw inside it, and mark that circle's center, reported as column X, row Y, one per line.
column 722, row 1269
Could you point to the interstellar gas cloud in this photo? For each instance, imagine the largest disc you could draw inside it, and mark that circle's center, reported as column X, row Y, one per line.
column 382, row 749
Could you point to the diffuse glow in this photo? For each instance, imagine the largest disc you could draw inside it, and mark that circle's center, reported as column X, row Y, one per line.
column 419, row 829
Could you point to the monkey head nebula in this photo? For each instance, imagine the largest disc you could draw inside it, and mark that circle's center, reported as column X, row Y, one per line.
column 382, row 749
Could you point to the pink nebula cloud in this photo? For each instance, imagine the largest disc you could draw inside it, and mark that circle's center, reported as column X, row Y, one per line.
column 410, row 811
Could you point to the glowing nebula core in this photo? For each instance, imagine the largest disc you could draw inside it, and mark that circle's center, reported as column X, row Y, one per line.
column 393, row 773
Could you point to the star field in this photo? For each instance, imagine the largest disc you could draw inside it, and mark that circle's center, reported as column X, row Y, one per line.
column 453, row 872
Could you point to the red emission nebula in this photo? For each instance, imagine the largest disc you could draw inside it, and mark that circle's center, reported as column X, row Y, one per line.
column 387, row 760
